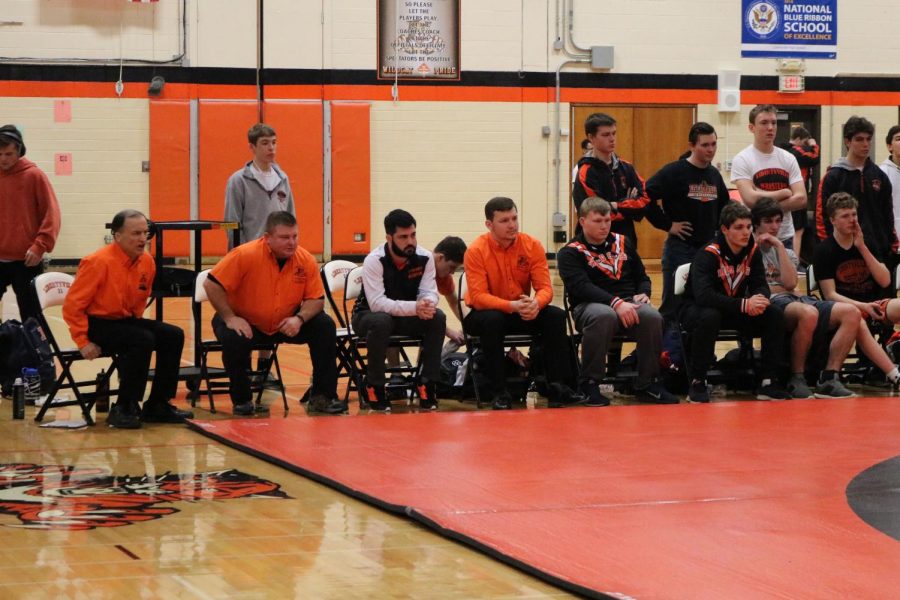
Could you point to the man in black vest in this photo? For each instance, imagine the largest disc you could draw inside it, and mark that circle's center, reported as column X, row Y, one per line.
column 399, row 297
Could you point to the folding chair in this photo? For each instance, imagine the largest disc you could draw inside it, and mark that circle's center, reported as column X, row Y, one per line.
column 334, row 276
column 352, row 288
column 51, row 289
column 745, row 343
column 473, row 342
column 213, row 382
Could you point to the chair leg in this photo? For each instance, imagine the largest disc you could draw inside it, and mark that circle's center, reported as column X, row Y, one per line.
column 280, row 381
column 204, row 376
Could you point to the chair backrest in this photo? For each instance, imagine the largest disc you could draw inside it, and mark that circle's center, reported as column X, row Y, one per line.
column 353, row 283
column 897, row 279
column 681, row 277
column 52, row 288
column 334, row 276
column 200, row 291
column 463, row 288
column 811, row 284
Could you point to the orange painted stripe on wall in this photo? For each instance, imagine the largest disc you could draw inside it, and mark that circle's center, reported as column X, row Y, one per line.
column 170, row 191
column 437, row 93
column 298, row 124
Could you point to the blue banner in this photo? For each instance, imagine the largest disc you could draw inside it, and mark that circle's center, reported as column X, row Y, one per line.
column 789, row 28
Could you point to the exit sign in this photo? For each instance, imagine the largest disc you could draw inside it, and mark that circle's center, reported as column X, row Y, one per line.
column 791, row 83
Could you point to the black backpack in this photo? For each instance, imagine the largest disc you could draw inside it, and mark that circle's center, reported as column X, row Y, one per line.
column 25, row 345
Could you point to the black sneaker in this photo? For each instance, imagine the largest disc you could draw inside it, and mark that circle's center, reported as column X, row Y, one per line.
column 772, row 391
column 427, row 396
column 164, row 412
column 655, row 393
column 377, row 400
column 560, row 396
column 123, row 417
column 590, row 389
column 243, row 410
column 502, row 401
column 323, row 405
column 698, row 392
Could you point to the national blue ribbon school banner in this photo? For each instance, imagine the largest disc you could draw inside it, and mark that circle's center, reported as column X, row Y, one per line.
column 789, row 28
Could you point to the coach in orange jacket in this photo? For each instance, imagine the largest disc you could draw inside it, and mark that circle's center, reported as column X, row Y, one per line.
column 270, row 291
column 104, row 311
column 502, row 267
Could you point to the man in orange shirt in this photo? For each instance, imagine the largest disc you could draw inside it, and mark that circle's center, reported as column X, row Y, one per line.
column 502, row 266
column 29, row 213
column 269, row 290
column 104, row 309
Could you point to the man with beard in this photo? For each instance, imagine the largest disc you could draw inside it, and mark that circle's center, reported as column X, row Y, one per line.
column 399, row 297
column 104, row 311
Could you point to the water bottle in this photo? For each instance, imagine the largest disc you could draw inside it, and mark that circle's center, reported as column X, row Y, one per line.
column 101, row 392
column 18, row 399
column 31, row 380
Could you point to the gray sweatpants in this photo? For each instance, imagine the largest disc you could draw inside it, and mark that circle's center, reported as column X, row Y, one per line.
column 598, row 323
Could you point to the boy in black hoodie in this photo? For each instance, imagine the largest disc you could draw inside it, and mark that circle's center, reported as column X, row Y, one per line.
column 858, row 176
column 602, row 173
column 609, row 292
column 727, row 288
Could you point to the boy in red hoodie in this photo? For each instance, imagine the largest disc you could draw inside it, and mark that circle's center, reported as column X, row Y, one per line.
column 29, row 220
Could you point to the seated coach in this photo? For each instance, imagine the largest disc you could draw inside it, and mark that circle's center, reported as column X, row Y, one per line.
column 609, row 291
column 269, row 291
column 104, row 309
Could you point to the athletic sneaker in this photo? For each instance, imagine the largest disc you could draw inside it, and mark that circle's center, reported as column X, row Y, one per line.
column 376, row 399
column 427, row 396
column 655, row 393
column 698, row 392
column 832, row 388
column 798, row 388
column 320, row 404
column 591, row 390
column 772, row 391
column 502, row 401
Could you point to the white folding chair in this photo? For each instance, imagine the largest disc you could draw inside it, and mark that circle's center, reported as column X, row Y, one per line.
column 334, row 276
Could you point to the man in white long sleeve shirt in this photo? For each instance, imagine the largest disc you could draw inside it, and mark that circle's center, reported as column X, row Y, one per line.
column 891, row 167
column 399, row 297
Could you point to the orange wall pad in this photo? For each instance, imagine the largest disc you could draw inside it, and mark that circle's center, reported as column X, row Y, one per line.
column 299, row 127
column 727, row 500
column 223, row 150
column 351, row 178
column 170, row 185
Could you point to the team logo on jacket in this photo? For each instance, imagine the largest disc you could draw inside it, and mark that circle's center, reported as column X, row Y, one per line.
column 282, row 196
column 609, row 263
column 62, row 497
column 299, row 275
column 732, row 276
column 522, row 263
column 415, row 272
column 876, row 185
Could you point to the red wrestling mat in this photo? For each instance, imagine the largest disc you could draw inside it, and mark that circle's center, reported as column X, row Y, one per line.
column 729, row 500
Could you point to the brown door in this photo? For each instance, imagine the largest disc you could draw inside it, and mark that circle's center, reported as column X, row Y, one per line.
column 648, row 137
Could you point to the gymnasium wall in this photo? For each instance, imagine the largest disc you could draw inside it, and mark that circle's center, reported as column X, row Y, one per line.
column 443, row 148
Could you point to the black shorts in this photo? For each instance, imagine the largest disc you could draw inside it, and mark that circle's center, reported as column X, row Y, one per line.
column 800, row 219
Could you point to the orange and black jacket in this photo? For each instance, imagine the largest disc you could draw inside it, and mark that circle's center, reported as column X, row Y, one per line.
column 612, row 183
column 872, row 190
column 807, row 157
column 723, row 280
column 609, row 273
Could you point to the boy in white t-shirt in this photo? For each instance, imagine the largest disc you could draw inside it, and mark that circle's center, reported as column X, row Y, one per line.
column 764, row 170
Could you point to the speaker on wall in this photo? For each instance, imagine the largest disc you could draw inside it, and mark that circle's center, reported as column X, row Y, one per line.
column 729, row 85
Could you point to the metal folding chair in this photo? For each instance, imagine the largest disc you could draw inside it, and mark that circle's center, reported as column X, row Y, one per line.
column 213, row 382
column 334, row 277
column 51, row 289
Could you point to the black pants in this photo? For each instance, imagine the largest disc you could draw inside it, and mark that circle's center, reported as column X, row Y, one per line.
column 318, row 333
column 133, row 341
column 19, row 276
column 549, row 328
column 378, row 327
column 704, row 324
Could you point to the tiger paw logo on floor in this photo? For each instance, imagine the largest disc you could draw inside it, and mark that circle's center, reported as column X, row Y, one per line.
column 62, row 497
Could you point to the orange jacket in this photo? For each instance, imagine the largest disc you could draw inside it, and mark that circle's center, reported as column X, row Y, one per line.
column 259, row 291
column 496, row 276
column 29, row 212
column 108, row 285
